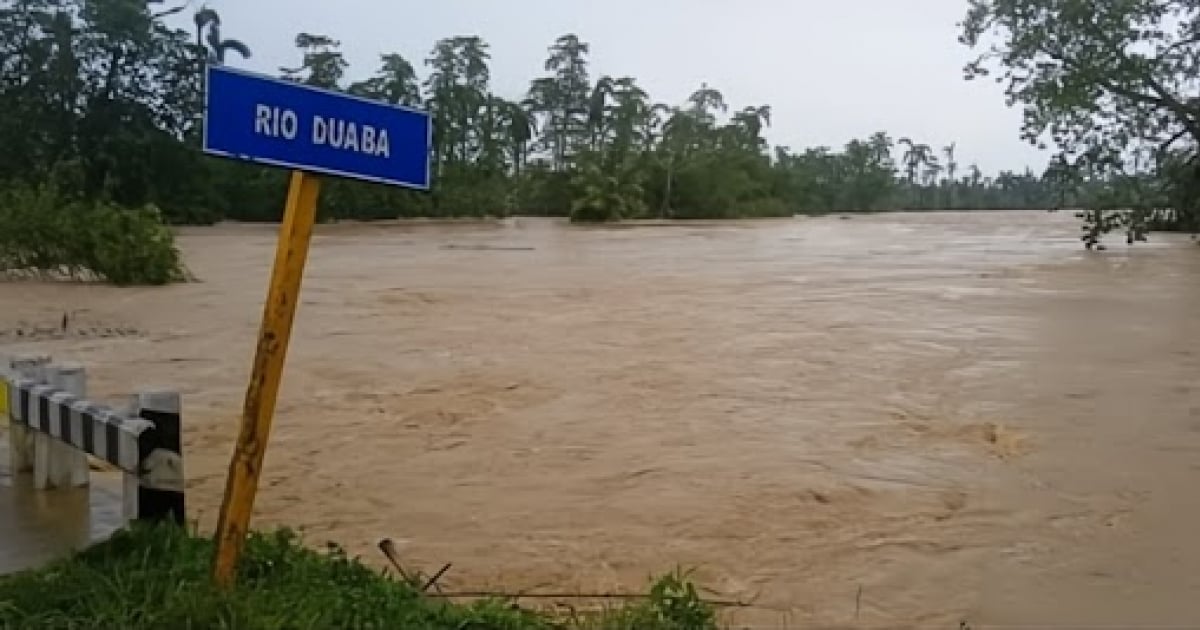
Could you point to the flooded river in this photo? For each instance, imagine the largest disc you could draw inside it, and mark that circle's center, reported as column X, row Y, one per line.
column 893, row 419
column 37, row 527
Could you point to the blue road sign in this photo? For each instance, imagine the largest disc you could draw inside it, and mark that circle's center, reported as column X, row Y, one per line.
column 282, row 123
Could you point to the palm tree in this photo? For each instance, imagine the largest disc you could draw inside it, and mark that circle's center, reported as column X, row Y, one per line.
column 634, row 118
column 951, row 165
column 653, row 123
column 930, row 176
column 395, row 82
column 208, row 20
column 915, row 156
column 165, row 12
column 881, row 148
column 951, row 170
column 750, row 122
column 976, row 176
column 704, row 101
column 542, row 101
column 620, row 119
column 519, row 124
column 597, row 108
column 562, row 99
column 458, row 96
column 679, row 132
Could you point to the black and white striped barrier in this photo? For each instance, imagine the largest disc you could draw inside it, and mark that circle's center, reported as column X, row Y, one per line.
column 145, row 444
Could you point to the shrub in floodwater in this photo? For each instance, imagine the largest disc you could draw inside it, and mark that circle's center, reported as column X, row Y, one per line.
column 44, row 233
column 158, row 577
column 602, row 196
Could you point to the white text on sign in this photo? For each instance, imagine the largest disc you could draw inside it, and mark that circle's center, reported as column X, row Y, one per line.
column 278, row 122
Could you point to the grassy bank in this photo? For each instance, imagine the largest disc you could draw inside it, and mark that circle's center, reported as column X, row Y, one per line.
column 158, row 578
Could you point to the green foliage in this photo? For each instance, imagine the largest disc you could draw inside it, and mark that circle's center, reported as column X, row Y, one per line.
column 466, row 194
column 562, row 100
column 43, row 233
column 602, row 196
column 539, row 191
column 124, row 130
column 861, row 178
column 673, row 604
column 322, row 65
column 158, row 577
column 1111, row 84
column 129, row 134
column 395, row 82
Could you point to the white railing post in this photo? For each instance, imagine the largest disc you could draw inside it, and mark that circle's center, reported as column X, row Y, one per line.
column 156, row 493
column 20, row 438
column 57, row 463
column 46, row 405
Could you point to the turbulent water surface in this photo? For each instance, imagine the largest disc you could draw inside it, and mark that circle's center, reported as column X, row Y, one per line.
column 892, row 419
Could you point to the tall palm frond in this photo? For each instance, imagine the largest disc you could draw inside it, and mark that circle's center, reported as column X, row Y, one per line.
column 226, row 45
column 203, row 19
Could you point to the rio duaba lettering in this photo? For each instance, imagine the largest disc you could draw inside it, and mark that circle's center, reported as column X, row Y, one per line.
column 347, row 135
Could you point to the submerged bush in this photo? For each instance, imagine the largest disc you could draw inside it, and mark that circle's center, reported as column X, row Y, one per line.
column 603, row 196
column 44, row 233
column 158, row 577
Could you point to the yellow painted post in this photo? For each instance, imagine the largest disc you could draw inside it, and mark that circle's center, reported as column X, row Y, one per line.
column 246, row 465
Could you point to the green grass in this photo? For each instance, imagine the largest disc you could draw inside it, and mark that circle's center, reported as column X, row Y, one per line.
column 158, row 577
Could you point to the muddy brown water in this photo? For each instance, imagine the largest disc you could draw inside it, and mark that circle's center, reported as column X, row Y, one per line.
column 38, row 527
column 903, row 419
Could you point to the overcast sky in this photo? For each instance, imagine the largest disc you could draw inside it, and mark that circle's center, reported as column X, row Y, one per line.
column 831, row 70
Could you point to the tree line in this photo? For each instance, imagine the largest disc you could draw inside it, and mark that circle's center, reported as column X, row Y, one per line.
column 104, row 99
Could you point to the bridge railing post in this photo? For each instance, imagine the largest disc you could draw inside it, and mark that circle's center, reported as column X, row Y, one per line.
column 53, row 430
column 56, row 463
column 156, row 493
column 20, row 437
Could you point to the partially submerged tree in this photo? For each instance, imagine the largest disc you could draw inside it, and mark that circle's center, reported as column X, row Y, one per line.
column 1111, row 84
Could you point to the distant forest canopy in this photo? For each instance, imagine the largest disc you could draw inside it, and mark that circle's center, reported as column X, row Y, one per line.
column 103, row 99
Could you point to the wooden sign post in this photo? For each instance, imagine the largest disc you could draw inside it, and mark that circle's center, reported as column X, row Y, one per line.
column 246, row 466
column 271, row 121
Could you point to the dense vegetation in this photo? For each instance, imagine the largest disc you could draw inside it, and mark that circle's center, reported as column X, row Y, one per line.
column 158, row 577
column 43, row 234
column 104, row 99
column 1115, row 86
